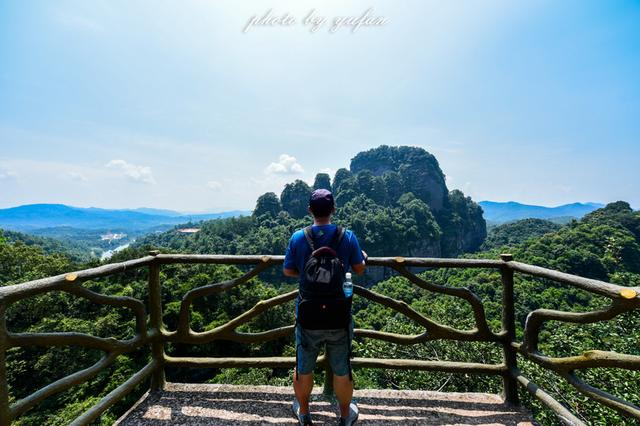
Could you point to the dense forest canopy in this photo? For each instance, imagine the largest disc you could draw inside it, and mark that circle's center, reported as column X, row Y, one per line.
column 399, row 220
column 76, row 251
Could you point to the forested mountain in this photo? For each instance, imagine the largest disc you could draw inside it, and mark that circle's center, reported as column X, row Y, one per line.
column 604, row 244
column 394, row 198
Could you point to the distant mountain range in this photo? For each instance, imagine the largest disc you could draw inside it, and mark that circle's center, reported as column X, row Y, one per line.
column 36, row 216
column 498, row 212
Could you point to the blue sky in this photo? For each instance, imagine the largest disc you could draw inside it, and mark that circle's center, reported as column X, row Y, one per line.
column 169, row 104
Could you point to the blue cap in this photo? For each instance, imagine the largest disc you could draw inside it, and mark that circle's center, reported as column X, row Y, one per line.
column 321, row 199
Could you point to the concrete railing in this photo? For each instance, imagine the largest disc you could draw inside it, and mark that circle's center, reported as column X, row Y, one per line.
column 155, row 336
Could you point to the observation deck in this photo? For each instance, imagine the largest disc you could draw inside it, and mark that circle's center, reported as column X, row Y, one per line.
column 196, row 404
column 171, row 403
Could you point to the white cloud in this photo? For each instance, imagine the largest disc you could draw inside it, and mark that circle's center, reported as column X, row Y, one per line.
column 328, row 171
column 286, row 165
column 133, row 172
column 77, row 176
column 214, row 184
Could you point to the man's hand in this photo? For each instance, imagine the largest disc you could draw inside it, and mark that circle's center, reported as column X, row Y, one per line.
column 290, row 272
column 359, row 268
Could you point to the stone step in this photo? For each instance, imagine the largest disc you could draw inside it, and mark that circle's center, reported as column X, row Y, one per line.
column 210, row 404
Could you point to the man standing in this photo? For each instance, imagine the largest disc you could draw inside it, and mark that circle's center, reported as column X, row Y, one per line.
column 320, row 255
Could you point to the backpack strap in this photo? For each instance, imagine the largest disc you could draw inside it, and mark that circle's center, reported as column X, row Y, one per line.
column 337, row 238
column 335, row 241
column 309, row 236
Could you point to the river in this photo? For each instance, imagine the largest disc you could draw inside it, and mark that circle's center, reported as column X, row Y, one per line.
column 106, row 255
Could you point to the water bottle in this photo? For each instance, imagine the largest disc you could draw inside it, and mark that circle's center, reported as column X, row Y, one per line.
column 347, row 287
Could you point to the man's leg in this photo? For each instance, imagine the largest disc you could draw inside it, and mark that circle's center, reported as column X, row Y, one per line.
column 306, row 354
column 302, row 386
column 338, row 345
column 343, row 388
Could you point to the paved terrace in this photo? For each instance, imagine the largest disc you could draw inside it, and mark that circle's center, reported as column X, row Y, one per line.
column 206, row 404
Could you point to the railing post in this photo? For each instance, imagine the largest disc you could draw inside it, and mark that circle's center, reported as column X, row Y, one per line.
column 4, row 386
column 510, row 391
column 155, row 316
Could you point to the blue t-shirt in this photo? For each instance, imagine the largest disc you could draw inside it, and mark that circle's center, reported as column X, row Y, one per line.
column 298, row 251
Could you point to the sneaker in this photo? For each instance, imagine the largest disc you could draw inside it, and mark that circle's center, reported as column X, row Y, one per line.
column 303, row 419
column 353, row 416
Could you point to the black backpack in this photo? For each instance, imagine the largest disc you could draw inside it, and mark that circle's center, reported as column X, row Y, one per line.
column 322, row 304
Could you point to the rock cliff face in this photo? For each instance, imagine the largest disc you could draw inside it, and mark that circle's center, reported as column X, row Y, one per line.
column 403, row 170
column 418, row 170
column 464, row 228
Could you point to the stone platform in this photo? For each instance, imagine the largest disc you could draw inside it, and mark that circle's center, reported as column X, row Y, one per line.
column 207, row 404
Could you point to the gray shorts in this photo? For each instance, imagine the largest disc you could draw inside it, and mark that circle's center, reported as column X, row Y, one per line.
column 309, row 343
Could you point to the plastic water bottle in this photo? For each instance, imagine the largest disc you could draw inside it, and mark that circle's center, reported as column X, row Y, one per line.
column 347, row 287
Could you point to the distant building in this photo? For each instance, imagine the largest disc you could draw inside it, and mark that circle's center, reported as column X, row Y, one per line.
column 188, row 230
column 112, row 237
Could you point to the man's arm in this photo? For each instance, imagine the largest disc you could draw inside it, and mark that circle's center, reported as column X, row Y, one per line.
column 289, row 268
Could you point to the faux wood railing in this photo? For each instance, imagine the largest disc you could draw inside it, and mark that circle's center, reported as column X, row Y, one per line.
column 622, row 300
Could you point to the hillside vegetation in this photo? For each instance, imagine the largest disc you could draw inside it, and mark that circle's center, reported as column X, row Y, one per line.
column 514, row 233
column 604, row 245
column 77, row 251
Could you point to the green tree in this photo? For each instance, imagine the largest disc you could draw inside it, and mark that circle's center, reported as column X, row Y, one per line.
column 393, row 186
column 267, row 203
column 295, row 198
column 341, row 176
column 322, row 181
